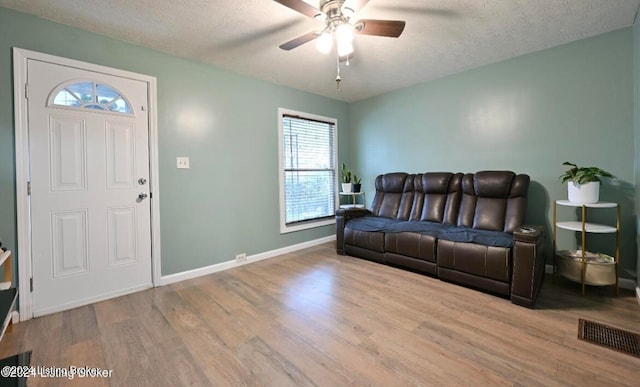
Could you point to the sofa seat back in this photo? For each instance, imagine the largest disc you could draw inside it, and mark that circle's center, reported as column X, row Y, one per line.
column 437, row 197
column 433, row 196
column 394, row 196
column 493, row 200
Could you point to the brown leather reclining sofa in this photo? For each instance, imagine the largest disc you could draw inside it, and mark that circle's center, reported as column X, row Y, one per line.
column 466, row 229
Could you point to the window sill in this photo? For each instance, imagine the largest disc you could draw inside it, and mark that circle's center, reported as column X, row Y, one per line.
column 284, row 229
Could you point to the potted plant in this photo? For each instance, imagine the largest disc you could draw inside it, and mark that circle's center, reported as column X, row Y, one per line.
column 357, row 186
column 583, row 183
column 346, row 179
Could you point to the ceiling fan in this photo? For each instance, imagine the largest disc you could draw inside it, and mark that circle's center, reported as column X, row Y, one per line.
column 336, row 14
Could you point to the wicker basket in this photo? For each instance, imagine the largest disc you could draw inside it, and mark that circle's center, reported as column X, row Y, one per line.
column 600, row 271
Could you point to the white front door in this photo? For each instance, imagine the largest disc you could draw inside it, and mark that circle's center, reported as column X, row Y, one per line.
column 89, row 164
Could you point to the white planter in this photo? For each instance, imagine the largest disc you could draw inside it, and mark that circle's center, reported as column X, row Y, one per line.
column 583, row 193
column 347, row 187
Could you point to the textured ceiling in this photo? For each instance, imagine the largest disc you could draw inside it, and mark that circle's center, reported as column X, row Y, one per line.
column 441, row 37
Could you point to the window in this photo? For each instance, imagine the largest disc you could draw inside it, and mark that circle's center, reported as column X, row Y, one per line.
column 308, row 180
column 90, row 95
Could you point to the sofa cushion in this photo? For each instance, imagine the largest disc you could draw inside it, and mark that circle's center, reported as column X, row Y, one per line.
column 365, row 239
column 437, row 230
column 410, row 244
column 484, row 261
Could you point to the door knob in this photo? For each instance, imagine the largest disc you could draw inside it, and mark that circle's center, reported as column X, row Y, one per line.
column 142, row 195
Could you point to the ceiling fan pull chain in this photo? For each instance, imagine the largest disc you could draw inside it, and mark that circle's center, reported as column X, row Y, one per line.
column 338, row 79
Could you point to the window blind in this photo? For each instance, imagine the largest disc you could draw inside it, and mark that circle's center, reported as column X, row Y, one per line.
column 308, row 154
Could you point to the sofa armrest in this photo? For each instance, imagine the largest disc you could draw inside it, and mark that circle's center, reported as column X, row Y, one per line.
column 529, row 258
column 343, row 215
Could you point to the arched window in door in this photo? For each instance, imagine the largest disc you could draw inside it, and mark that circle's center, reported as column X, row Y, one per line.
column 89, row 95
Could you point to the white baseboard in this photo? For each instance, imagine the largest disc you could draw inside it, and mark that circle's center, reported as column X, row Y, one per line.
column 624, row 283
column 189, row 274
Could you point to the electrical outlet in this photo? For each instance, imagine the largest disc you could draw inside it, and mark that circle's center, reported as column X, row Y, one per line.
column 242, row 257
column 182, row 162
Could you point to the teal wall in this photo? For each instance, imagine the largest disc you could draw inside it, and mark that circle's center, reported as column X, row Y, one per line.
column 227, row 203
column 636, row 125
column 529, row 114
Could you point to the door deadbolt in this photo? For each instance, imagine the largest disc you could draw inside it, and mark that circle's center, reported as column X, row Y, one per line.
column 142, row 181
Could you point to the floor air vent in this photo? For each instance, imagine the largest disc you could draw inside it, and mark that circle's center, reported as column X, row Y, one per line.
column 609, row 337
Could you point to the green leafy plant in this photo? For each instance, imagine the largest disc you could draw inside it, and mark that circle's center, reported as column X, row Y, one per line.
column 356, row 179
column 346, row 174
column 582, row 175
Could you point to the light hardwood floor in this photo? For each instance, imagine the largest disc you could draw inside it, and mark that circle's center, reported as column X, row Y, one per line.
column 317, row 318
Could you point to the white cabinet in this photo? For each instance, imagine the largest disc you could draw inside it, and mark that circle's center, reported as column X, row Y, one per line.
column 584, row 266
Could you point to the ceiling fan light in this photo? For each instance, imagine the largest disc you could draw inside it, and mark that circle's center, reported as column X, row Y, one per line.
column 324, row 42
column 345, row 48
column 344, row 33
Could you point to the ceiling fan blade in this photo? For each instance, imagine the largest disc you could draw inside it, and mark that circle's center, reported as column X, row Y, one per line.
column 355, row 5
column 299, row 41
column 390, row 28
column 301, row 6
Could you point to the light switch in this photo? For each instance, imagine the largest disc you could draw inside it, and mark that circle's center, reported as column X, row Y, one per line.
column 183, row 162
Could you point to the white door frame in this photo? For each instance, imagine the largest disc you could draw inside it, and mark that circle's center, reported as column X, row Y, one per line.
column 20, row 90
